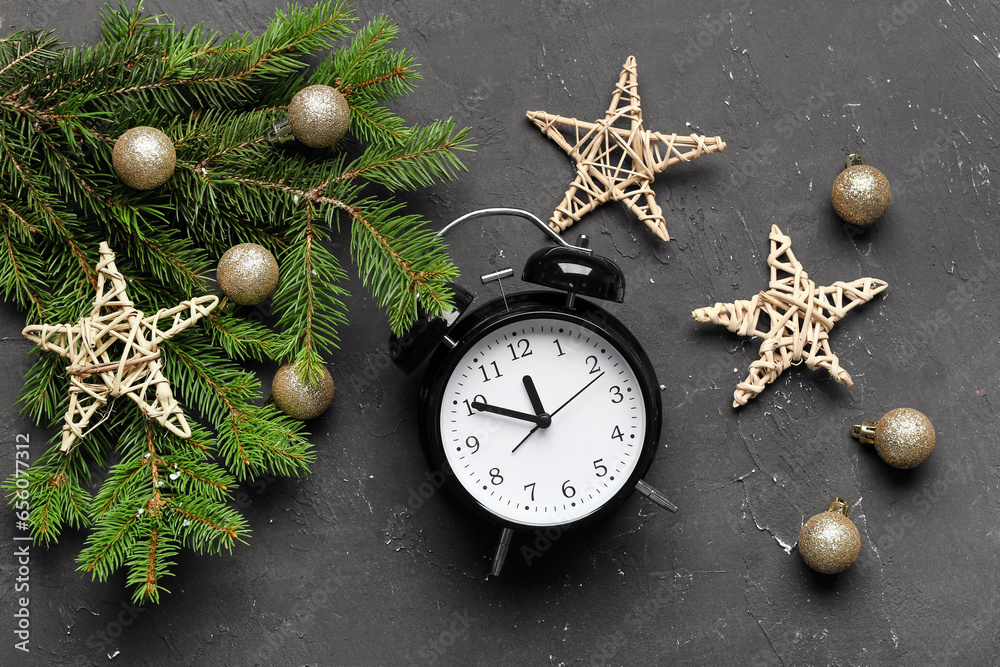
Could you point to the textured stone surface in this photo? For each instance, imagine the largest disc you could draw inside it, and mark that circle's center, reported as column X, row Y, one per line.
column 352, row 564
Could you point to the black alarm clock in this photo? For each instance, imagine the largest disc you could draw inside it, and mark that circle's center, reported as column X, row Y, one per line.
column 540, row 407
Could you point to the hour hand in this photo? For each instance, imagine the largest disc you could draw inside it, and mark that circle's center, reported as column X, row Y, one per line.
column 536, row 402
column 485, row 407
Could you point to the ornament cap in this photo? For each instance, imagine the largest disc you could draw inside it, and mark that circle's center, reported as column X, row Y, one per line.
column 280, row 132
column 854, row 159
column 839, row 505
column 865, row 432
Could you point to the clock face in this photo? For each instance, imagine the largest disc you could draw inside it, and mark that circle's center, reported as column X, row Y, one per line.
column 543, row 418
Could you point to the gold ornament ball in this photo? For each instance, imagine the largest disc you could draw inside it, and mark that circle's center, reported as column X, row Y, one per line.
column 298, row 399
column 247, row 273
column 144, row 158
column 829, row 542
column 861, row 193
column 319, row 116
column 904, row 438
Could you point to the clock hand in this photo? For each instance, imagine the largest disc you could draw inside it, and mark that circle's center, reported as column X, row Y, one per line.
column 525, row 439
column 484, row 407
column 577, row 394
column 549, row 417
column 536, row 402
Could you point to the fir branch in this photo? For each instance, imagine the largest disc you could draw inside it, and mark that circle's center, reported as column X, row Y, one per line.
column 369, row 65
column 20, row 266
column 57, row 497
column 43, row 204
column 426, row 156
column 373, row 122
column 211, row 383
column 309, row 299
column 259, row 439
column 216, row 96
column 125, row 480
column 112, row 539
column 242, row 339
column 39, row 397
column 205, row 526
column 400, row 261
column 25, row 51
column 149, row 561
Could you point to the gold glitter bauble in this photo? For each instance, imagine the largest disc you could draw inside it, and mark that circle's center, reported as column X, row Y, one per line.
column 144, row 158
column 861, row 193
column 318, row 116
column 247, row 273
column 296, row 398
column 904, row 438
column 829, row 542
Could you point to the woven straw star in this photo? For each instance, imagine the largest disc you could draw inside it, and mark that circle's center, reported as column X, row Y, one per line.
column 114, row 326
column 619, row 163
column 800, row 316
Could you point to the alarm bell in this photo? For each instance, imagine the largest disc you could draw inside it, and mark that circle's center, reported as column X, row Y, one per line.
column 572, row 270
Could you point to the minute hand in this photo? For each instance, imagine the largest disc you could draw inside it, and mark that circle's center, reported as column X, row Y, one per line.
column 484, row 407
column 577, row 394
column 554, row 413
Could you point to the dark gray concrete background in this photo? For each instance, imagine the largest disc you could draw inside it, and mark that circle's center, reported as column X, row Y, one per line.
column 344, row 567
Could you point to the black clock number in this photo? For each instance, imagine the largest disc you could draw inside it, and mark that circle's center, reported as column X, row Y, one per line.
column 472, row 442
column 495, row 477
column 558, row 347
column 617, row 433
column 594, row 368
column 478, row 398
column 568, row 490
column 532, row 485
column 496, row 371
column 617, row 396
column 602, row 470
column 523, row 349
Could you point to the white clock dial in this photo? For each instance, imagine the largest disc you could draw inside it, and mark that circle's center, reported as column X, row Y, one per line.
column 567, row 463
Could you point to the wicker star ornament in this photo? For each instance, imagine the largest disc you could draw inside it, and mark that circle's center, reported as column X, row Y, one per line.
column 115, row 351
column 798, row 315
column 619, row 163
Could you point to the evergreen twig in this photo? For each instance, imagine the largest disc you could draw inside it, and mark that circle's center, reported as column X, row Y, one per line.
column 216, row 96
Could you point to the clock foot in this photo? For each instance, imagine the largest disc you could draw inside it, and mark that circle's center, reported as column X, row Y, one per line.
column 501, row 555
column 654, row 495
